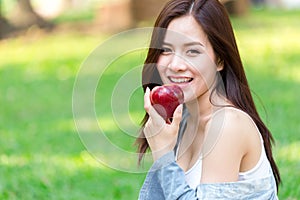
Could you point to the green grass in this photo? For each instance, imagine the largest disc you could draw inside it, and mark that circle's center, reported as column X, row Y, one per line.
column 41, row 155
column 269, row 48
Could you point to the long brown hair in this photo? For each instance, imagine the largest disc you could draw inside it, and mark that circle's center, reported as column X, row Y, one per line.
column 213, row 18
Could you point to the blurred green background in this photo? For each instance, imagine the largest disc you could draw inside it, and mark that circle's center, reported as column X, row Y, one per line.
column 41, row 155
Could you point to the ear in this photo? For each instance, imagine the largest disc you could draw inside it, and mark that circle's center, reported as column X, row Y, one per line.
column 220, row 65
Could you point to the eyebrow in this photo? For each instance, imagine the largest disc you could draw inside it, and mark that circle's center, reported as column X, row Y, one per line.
column 186, row 44
column 193, row 43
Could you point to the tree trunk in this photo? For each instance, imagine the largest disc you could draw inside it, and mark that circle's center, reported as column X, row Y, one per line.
column 237, row 7
column 25, row 16
column 5, row 26
column 146, row 10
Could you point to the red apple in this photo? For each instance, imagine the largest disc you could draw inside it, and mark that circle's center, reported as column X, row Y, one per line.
column 165, row 99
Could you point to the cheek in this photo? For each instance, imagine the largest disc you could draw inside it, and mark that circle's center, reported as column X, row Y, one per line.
column 161, row 66
column 206, row 70
column 160, row 70
column 162, row 61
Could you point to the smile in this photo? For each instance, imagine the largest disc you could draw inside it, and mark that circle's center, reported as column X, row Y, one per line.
column 180, row 80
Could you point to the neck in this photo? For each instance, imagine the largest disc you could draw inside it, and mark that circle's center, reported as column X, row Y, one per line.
column 202, row 108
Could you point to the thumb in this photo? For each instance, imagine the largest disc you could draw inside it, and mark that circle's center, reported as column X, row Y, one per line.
column 177, row 115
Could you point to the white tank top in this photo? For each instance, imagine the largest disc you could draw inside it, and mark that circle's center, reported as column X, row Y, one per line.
column 260, row 170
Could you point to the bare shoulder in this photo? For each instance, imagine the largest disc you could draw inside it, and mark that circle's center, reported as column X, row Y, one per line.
column 238, row 128
column 231, row 136
column 235, row 122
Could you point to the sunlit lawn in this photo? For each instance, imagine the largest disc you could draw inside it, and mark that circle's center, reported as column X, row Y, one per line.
column 41, row 154
column 270, row 50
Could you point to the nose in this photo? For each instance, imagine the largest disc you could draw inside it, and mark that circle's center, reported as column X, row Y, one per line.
column 177, row 63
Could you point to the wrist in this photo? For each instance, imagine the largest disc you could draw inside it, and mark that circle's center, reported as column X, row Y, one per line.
column 157, row 154
column 164, row 160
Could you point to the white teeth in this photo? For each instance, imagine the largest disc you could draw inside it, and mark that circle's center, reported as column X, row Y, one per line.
column 180, row 80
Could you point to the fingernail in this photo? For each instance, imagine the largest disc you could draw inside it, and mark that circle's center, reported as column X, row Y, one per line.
column 181, row 108
column 178, row 109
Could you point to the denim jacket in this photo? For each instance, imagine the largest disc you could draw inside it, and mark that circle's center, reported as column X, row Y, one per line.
column 166, row 180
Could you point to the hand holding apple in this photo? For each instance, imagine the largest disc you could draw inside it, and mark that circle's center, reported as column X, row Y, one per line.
column 162, row 136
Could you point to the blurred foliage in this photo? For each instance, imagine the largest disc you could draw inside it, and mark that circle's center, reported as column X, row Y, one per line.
column 41, row 155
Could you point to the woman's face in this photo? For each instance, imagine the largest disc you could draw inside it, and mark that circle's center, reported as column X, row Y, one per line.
column 187, row 58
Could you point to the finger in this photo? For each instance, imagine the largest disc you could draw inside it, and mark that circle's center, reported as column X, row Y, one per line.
column 153, row 127
column 177, row 115
column 147, row 102
column 150, row 109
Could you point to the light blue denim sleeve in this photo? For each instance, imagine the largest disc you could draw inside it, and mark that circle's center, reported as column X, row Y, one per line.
column 166, row 181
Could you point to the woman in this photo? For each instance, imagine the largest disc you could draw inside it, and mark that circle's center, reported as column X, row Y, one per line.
column 216, row 146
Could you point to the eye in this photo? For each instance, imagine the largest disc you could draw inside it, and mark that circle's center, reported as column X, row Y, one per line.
column 166, row 51
column 193, row 52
